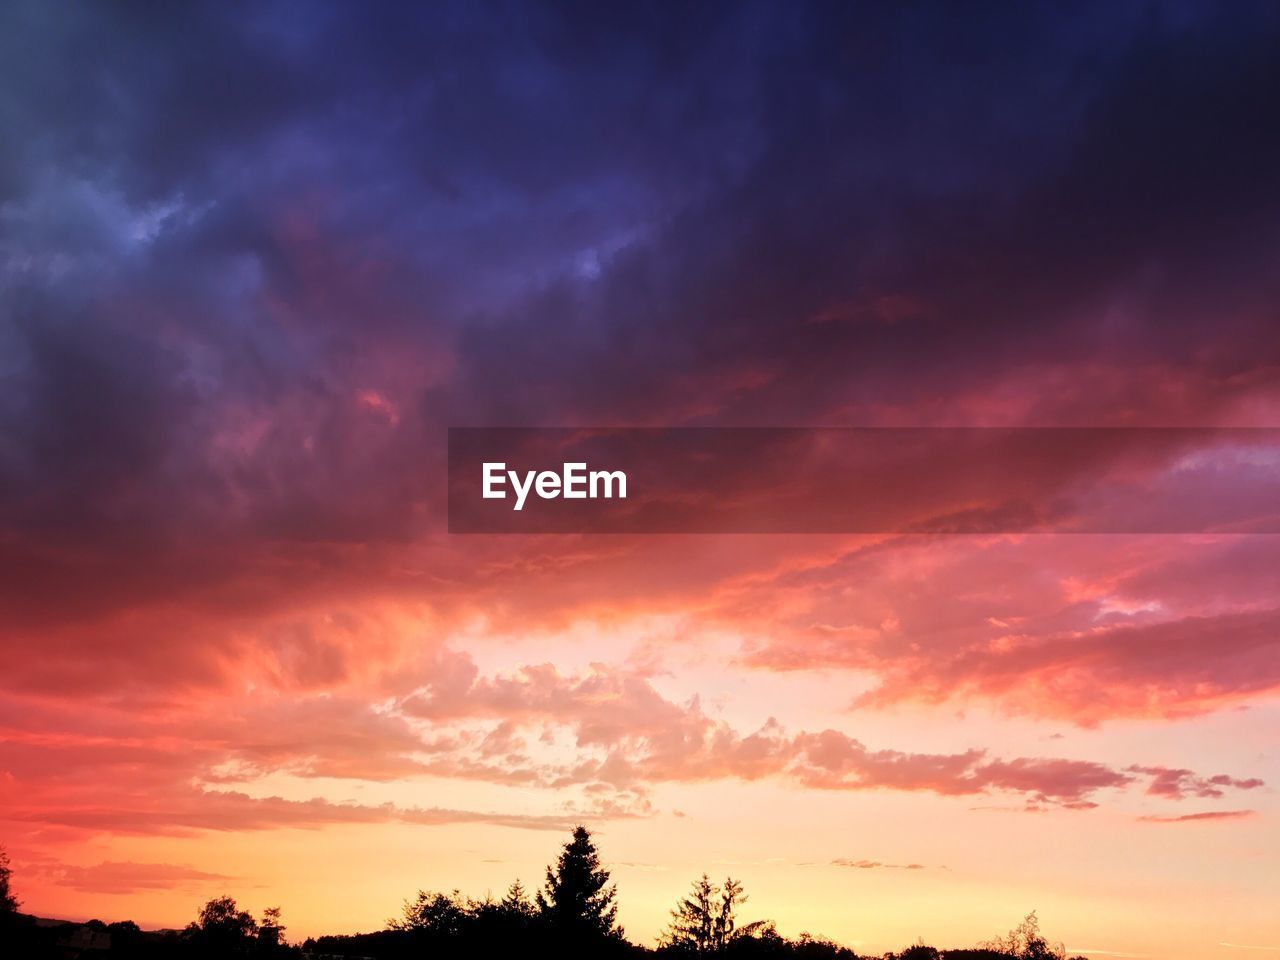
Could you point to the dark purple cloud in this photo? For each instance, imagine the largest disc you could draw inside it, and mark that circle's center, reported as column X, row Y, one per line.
column 255, row 258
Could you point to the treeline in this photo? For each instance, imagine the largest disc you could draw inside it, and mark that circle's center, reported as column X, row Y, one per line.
column 573, row 914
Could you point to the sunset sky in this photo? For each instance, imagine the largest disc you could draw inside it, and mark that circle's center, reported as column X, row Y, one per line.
column 256, row 258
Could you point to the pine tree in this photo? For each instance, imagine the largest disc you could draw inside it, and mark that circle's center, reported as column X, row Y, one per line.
column 706, row 921
column 516, row 902
column 577, row 900
column 693, row 921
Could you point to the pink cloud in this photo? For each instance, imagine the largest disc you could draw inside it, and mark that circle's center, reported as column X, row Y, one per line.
column 1184, row 783
column 1081, row 629
column 124, row 877
column 176, row 774
column 1208, row 815
column 649, row 739
column 180, row 810
column 1165, row 669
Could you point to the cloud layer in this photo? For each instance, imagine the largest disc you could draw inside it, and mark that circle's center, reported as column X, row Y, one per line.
column 256, row 258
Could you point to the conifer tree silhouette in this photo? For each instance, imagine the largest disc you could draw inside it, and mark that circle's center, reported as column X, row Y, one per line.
column 577, row 900
column 516, row 901
column 706, row 921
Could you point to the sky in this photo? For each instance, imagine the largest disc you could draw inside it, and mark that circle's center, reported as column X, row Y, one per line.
column 255, row 258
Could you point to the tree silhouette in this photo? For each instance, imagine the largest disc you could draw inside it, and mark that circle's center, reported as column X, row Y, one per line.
column 919, row 951
column 501, row 927
column 706, row 921
column 8, row 902
column 516, row 901
column 577, row 901
column 573, row 916
column 693, row 921
column 1026, row 942
column 271, row 930
column 223, row 929
column 437, row 915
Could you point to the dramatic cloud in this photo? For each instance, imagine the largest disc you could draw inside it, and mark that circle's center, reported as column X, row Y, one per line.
column 650, row 739
column 1085, row 630
column 255, row 258
column 603, row 741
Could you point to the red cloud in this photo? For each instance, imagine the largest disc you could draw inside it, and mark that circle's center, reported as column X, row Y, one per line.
column 649, row 739
column 1084, row 629
column 180, row 810
column 1168, row 669
column 1184, row 783
column 121, row 877
column 626, row 738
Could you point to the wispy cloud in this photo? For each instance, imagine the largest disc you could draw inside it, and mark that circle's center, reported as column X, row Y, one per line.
column 1207, row 815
